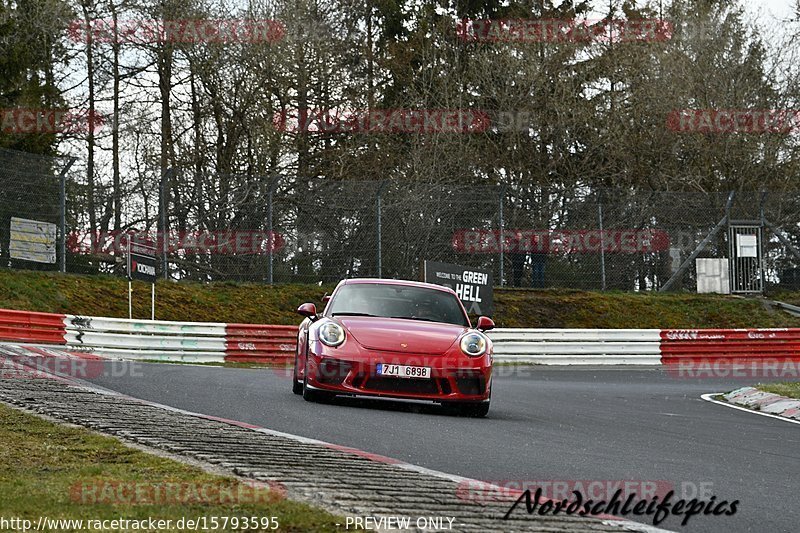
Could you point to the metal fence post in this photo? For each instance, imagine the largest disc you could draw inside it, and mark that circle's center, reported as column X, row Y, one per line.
column 62, row 214
column 602, row 242
column 162, row 215
column 378, row 225
column 501, row 238
column 273, row 184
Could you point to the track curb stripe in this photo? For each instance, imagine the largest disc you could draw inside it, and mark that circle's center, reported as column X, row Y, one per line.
column 710, row 398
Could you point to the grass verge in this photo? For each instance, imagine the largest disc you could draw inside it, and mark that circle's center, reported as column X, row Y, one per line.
column 789, row 389
column 560, row 308
column 48, row 470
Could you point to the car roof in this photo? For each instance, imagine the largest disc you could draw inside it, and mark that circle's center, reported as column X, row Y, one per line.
column 404, row 282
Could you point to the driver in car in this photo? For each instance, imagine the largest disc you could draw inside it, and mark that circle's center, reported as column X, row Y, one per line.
column 426, row 310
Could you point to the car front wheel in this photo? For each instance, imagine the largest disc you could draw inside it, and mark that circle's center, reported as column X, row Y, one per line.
column 477, row 410
column 312, row 395
column 297, row 383
column 472, row 409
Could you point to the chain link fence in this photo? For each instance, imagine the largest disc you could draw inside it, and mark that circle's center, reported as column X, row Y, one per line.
column 33, row 192
column 281, row 229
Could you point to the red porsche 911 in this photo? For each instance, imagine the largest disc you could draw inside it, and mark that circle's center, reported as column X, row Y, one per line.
column 396, row 339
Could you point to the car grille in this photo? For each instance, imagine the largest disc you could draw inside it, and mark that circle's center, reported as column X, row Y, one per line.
column 402, row 385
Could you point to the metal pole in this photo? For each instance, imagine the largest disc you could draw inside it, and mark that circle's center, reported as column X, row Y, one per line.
column 62, row 215
column 271, row 243
column 162, row 205
column 269, row 233
column 152, row 301
column 602, row 243
column 501, row 238
column 130, row 287
column 733, row 267
column 761, row 232
column 378, row 217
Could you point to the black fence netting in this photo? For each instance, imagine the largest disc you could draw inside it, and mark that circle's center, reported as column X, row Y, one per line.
column 285, row 229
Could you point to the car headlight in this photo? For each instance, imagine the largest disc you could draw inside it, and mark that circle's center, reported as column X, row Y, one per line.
column 331, row 334
column 473, row 344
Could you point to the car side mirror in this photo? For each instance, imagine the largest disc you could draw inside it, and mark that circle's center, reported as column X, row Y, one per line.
column 485, row 323
column 307, row 310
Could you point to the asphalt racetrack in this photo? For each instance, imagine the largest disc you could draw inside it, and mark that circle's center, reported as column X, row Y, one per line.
column 574, row 424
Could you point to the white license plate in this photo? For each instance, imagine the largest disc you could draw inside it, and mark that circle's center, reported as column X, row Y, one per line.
column 401, row 371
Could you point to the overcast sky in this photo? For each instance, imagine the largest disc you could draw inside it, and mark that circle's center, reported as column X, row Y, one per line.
column 780, row 8
column 773, row 17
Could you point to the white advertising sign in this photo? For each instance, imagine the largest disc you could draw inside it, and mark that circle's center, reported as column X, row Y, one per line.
column 33, row 240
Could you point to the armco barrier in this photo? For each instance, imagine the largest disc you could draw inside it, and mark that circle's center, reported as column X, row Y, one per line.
column 217, row 342
column 119, row 338
column 259, row 343
column 743, row 345
column 577, row 346
column 181, row 341
column 31, row 327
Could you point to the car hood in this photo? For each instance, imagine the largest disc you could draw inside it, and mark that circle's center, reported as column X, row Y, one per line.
column 402, row 335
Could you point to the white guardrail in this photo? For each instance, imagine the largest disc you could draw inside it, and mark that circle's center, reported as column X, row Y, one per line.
column 577, row 346
column 206, row 342
column 139, row 339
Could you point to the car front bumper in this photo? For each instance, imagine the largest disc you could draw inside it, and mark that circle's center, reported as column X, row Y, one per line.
column 454, row 376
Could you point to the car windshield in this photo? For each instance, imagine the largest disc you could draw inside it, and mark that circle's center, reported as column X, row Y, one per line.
column 397, row 301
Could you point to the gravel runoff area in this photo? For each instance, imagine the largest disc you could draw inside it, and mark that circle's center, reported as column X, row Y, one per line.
column 344, row 481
